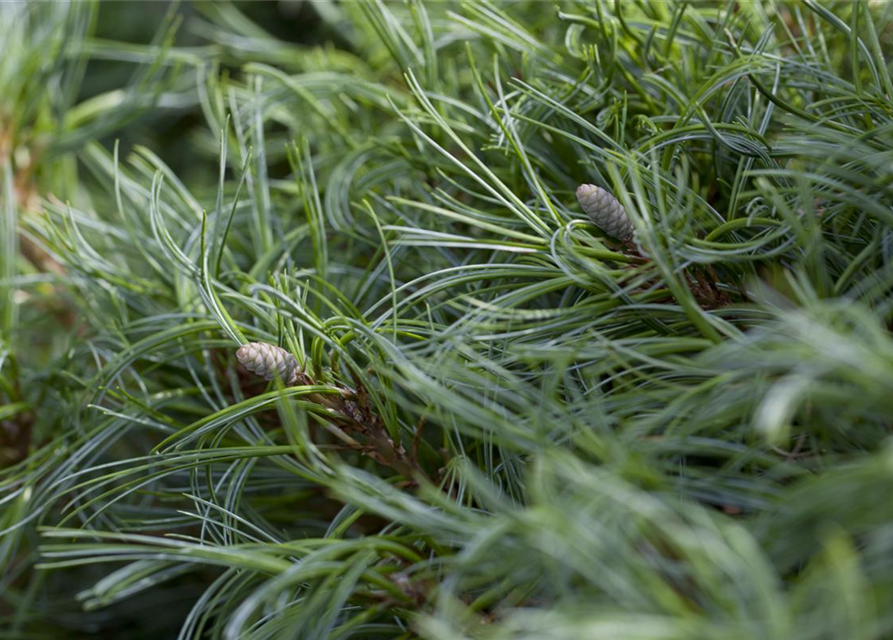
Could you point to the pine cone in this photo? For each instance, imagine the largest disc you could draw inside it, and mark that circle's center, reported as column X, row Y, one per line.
column 267, row 359
column 605, row 211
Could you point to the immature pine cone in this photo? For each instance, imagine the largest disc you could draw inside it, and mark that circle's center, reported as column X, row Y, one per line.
column 604, row 210
column 266, row 359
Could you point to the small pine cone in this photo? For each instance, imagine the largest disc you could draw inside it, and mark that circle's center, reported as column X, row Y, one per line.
column 605, row 211
column 266, row 359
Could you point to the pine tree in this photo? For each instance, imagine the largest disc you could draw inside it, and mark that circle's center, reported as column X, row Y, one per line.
column 446, row 320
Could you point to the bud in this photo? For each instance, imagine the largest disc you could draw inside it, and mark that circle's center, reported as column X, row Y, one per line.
column 605, row 211
column 267, row 359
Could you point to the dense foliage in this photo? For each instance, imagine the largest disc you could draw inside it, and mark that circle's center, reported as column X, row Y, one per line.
column 506, row 423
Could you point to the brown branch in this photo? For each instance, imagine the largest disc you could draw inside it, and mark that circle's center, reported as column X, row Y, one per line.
column 361, row 428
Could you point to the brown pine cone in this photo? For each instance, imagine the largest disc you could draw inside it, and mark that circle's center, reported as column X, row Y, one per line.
column 267, row 359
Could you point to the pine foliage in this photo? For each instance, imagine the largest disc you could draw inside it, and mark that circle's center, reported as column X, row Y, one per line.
column 480, row 413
